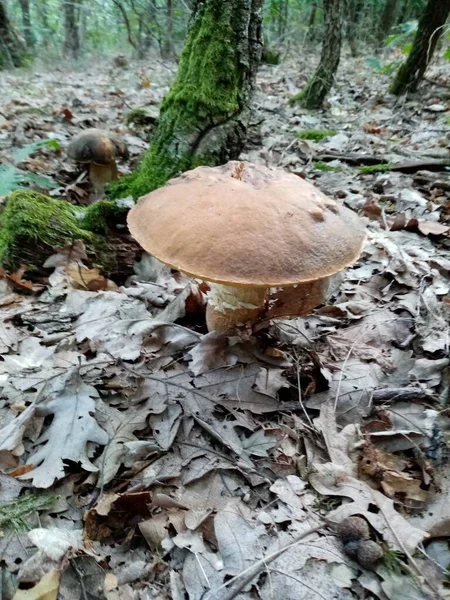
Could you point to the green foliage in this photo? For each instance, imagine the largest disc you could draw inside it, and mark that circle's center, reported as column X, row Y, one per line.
column 403, row 36
column 379, row 67
column 32, row 225
column 12, row 178
column 323, row 166
column 14, row 514
column 380, row 168
column 325, row 504
column 393, row 560
column 315, row 135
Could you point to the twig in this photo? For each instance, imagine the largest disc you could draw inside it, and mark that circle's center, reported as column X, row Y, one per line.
column 255, row 569
column 401, row 395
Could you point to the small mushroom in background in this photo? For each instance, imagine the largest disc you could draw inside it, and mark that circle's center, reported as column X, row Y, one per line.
column 244, row 229
column 99, row 149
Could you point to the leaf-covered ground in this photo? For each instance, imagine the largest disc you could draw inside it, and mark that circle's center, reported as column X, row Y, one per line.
column 141, row 458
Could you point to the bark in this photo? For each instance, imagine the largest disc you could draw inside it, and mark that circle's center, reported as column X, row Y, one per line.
column 204, row 117
column 27, row 26
column 322, row 81
column 72, row 34
column 387, row 20
column 429, row 30
column 11, row 49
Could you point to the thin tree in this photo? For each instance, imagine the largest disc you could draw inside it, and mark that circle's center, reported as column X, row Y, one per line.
column 71, row 28
column 27, row 25
column 354, row 11
column 322, row 81
column 168, row 50
column 12, row 51
column 387, row 20
column 430, row 28
column 204, row 117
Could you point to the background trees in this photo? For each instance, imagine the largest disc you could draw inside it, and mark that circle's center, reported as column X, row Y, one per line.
column 76, row 30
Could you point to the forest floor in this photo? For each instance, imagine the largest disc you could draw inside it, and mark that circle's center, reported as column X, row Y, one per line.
column 144, row 459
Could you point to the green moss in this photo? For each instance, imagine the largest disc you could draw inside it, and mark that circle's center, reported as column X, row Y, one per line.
column 380, row 168
column 140, row 117
column 270, row 56
column 15, row 513
column 99, row 216
column 323, row 166
column 206, row 93
column 316, row 135
column 32, row 225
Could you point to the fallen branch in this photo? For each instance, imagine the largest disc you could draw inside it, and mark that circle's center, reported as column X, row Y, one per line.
column 401, row 395
column 370, row 160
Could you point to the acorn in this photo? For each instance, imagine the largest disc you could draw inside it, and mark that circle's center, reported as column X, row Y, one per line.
column 352, row 528
column 369, row 554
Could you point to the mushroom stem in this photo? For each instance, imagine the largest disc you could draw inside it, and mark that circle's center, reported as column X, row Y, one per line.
column 229, row 307
column 100, row 175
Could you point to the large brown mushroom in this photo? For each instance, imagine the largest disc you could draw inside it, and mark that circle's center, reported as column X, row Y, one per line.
column 245, row 228
column 99, row 149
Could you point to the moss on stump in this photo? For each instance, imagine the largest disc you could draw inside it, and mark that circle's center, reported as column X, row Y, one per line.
column 33, row 225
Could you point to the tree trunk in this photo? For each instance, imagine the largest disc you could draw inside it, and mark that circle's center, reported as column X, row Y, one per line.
column 322, row 81
column 430, row 28
column 168, row 50
column 204, row 117
column 42, row 12
column 26, row 21
column 312, row 21
column 11, row 49
column 72, row 35
column 386, row 22
column 353, row 19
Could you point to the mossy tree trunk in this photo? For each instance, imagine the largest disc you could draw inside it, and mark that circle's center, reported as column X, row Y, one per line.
column 11, row 49
column 429, row 30
column 386, row 21
column 322, row 81
column 203, row 118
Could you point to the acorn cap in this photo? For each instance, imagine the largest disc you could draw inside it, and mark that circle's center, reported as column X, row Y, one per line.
column 247, row 225
column 96, row 146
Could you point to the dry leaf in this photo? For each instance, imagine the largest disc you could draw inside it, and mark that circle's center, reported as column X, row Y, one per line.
column 46, row 589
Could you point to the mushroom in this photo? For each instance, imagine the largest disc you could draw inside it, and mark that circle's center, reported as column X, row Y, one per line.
column 99, row 149
column 245, row 228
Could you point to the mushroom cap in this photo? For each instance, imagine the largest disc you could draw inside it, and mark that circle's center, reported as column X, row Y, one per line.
column 242, row 224
column 97, row 146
